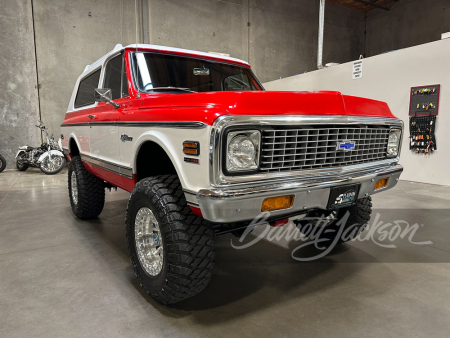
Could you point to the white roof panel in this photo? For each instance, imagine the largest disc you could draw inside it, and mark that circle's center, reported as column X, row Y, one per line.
column 141, row 46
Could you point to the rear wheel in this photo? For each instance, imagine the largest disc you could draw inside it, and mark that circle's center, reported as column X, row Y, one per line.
column 86, row 191
column 171, row 249
column 2, row 163
column 327, row 225
column 19, row 163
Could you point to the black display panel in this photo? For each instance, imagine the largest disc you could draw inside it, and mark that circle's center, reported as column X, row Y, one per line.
column 424, row 100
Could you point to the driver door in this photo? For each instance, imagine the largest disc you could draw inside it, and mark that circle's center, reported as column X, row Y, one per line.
column 104, row 131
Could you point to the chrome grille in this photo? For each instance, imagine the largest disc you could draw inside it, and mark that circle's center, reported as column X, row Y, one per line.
column 314, row 147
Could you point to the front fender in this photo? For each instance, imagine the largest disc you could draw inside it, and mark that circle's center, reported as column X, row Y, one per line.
column 192, row 176
column 53, row 152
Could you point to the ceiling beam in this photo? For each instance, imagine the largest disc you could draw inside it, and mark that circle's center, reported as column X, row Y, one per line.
column 367, row 3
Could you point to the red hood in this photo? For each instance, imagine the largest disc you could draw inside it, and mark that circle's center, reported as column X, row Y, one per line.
column 185, row 107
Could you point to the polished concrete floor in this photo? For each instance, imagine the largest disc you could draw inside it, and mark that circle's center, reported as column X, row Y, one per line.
column 62, row 277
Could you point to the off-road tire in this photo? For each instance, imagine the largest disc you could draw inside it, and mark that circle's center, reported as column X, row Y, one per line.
column 359, row 216
column 188, row 241
column 2, row 163
column 91, row 191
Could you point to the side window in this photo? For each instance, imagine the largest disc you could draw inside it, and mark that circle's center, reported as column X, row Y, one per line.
column 237, row 82
column 115, row 77
column 85, row 95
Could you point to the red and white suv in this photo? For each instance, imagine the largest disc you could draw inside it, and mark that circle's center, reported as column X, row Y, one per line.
column 204, row 150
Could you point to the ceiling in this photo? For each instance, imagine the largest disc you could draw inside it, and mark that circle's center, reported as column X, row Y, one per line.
column 364, row 5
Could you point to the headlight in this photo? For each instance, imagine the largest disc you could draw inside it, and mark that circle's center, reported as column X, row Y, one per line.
column 243, row 150
column 394, row 142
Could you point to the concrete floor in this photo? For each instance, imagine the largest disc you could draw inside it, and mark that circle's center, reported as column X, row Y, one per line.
column 62, row 277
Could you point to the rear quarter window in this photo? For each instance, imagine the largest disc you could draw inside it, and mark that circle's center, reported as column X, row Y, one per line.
column 85, row 95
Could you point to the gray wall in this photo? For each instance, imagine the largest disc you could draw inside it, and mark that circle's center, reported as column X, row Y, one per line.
column 280, row 41
column 18, row 97
column 408, row 23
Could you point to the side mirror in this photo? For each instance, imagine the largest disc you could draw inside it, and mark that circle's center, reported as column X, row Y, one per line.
column 104, row 95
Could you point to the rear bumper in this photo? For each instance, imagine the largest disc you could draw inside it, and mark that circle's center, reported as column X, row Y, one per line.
column 224, row 205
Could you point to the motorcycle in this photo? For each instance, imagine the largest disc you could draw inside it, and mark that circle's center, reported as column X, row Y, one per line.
column 2, row 163
column 49, row 157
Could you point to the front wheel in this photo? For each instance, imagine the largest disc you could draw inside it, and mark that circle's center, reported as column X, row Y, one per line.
column 171, row 249
column 2, row 163
column 52, row 166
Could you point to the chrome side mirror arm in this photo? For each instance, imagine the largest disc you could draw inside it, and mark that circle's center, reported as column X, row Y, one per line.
column 104, row 95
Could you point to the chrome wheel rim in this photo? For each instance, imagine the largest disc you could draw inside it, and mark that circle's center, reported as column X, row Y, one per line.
column 149, row 245
column 74, row 187
column 52, row 165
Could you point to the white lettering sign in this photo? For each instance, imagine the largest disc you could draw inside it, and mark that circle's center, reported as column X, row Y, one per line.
column 357, row 69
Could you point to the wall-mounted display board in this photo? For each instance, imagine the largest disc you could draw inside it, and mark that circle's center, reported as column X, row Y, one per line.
column 422, row 134
column 423, row 111
column 424, row 100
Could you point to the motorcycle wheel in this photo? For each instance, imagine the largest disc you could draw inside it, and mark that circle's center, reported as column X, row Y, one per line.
column 52, row 167
column 2, row 163
column 21, row 166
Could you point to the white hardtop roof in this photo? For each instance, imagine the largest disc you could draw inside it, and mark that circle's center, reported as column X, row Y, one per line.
column 140, row 46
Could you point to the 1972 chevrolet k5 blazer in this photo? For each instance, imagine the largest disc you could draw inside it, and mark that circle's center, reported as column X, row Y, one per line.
column 204, row 150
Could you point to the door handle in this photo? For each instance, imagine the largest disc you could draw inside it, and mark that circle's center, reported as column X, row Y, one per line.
column 92, row 116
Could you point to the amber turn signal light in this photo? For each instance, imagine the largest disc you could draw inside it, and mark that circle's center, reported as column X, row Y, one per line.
column 188, row 144
column 190, row 151
column 191, row 148
column 277, row 203
column 381, row 183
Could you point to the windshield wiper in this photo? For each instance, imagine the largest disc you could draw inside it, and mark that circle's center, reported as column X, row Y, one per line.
column 172, row 89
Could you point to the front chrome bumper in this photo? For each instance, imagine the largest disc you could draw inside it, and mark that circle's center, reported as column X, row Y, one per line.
column 224, row 205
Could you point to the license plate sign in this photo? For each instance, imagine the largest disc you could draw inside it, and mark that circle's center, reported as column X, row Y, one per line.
column 343, row 196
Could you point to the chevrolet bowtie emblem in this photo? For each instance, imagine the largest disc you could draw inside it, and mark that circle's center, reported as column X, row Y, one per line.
column 346, row 145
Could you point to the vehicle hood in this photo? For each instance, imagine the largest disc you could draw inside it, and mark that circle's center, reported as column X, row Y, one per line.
column 215, row 104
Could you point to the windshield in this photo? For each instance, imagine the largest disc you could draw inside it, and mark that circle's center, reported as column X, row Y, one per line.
column 165, row 71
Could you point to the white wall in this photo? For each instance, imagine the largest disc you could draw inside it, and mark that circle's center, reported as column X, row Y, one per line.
column 389, row 77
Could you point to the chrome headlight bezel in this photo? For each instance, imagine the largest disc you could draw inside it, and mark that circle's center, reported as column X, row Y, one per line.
column 393, row 147
column 254, row 136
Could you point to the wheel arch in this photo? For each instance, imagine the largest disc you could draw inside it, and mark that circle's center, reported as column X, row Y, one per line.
column 152, row 149
column 74, row 149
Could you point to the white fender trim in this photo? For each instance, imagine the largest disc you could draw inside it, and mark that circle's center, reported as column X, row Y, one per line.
column 53, row 152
